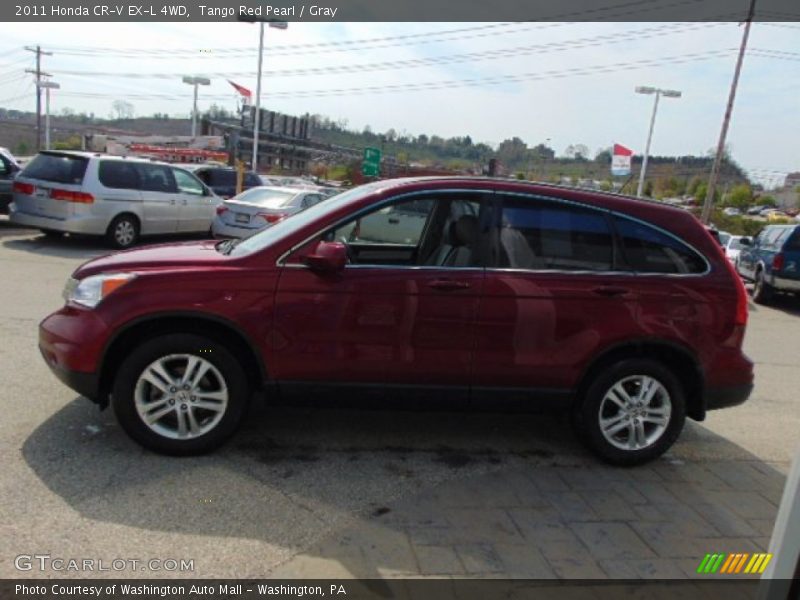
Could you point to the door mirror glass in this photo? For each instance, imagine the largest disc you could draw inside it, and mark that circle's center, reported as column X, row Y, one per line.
column 327, row 257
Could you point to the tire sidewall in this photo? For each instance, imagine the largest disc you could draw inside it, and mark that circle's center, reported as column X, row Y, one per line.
column 761, row 290
column 112, row 239
column 131, row 368
column 587, row 415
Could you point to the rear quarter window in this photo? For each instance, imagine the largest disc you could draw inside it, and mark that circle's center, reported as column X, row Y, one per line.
column 222, row 178
column 250, row 180
column 58, row 168
column 649, row 250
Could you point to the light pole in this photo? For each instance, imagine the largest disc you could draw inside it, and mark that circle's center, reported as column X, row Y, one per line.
column 257, row 114
column 658, row 92
column 195, row 81
column 47, row 86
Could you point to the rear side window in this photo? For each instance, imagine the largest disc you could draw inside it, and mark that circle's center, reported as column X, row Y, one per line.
column 118, row 174
column 541, row 235
column 793, row 243
column 649, row 250
column 250, row 180
column 58, row 168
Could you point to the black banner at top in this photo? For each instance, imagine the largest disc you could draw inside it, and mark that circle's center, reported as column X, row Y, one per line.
column 395, row 10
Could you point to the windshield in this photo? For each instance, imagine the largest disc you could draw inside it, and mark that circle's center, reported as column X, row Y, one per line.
column 286, row 227
column 266, row 198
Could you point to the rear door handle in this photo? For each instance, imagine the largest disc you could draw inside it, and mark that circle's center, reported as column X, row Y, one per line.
column 610, row 291
column 448, row 285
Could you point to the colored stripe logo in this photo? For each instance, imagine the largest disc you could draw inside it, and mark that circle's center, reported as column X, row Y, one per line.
column 735, row 563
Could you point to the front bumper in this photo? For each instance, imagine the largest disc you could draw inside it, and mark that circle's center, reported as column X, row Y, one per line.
column 71, row 342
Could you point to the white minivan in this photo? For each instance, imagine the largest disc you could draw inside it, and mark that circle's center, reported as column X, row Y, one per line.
column 118, row 197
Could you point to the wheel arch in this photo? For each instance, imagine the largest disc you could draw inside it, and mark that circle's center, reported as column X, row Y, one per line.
column 217, row 328
column 679, row 359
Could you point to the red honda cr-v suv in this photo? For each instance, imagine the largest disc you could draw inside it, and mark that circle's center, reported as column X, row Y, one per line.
column 469, row 290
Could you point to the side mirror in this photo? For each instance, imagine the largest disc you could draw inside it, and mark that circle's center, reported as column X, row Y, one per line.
column 327, row 257
column 746, row 241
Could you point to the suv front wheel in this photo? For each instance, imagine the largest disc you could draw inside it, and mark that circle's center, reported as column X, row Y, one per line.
column 632, row 412
column 180, row 394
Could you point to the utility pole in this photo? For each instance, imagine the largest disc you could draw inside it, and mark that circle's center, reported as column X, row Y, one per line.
column 39, row 74
column 712, row 180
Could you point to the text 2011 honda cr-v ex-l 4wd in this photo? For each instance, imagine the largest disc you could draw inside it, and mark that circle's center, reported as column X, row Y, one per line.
column 477, row 291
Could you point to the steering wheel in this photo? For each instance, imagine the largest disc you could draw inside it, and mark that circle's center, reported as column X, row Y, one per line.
column 351, row 256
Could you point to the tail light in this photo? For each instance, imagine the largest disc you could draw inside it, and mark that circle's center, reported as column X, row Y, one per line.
column 777, row 262
column 23, row 188
column 740, row 318
column 272, row 217
column 69, row 196
column 221, row 210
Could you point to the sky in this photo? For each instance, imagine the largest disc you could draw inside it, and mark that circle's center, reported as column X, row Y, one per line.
column 569, row 83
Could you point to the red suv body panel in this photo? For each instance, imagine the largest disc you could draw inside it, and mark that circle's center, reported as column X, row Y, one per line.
column 466, row 331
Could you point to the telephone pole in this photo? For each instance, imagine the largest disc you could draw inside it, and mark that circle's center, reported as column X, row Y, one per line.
column 39, row 74
column 712, row 180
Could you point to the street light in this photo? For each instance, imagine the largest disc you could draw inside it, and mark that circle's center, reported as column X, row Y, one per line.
column 47, row 86
column 658, row 92
column 277, row 25
column 195, row 81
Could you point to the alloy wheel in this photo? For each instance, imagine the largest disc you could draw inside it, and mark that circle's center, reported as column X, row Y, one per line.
column 635, row 412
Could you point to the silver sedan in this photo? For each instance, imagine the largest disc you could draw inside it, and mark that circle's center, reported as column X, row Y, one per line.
column 258, row 208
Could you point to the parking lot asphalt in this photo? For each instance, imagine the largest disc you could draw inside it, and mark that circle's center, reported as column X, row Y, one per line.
column 340, row 493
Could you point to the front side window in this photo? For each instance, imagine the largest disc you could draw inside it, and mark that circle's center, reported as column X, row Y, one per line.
column 540, row 235
column 187, row 183
column 648, row 250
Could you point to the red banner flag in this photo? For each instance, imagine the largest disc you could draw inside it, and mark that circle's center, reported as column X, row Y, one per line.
column 241, row 89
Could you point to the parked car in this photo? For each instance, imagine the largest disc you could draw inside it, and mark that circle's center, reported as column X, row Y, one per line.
column 778, row 216
column 222, row 180
column 772, row 261
column 9, row 167
column 258, row 208
column 756, row 210
column 117, row 197
column 732, row 211
column 624, row 313
column 734, row 245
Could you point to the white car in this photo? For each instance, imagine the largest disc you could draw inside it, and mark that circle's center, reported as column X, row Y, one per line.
column 732, row 211
column 258, row 208
column 733, row 247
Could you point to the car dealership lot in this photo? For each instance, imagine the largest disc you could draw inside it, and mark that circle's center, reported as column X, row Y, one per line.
column 311, row 492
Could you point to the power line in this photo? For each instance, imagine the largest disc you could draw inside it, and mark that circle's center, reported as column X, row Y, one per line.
column 514, row 52
column 451, row 84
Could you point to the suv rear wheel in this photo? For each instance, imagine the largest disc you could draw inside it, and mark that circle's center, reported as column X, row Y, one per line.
column 632, row 412
column 123, row 232
column 762, row 291
column 180, row 394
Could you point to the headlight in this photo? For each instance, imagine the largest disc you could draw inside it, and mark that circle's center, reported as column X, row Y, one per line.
column 90, row 291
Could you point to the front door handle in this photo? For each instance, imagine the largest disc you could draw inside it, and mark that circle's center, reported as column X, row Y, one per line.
column 610, row 291
column 448, row 285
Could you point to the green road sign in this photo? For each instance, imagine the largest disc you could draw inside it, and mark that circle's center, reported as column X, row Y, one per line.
column 372, row 155
column 370, row 170
column 371, row 166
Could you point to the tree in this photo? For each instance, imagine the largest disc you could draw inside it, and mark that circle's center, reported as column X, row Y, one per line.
column 648, row 189
column 741, row 196
column 577, row 151
column 767, row 200
column 123, row 109
column 543, row 152
column 603, row 157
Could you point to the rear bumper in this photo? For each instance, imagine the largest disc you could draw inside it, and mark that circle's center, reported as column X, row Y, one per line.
column 784, row 284
column 724, row 397
column 222, row 230
column 85, row 224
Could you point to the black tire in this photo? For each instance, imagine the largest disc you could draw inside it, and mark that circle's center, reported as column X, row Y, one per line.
column 125, row 390
column 762, row 291
column 123, row 232
column 52, row 233
column 587, row 414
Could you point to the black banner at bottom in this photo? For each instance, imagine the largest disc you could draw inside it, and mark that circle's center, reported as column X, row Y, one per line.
column 390, row 589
